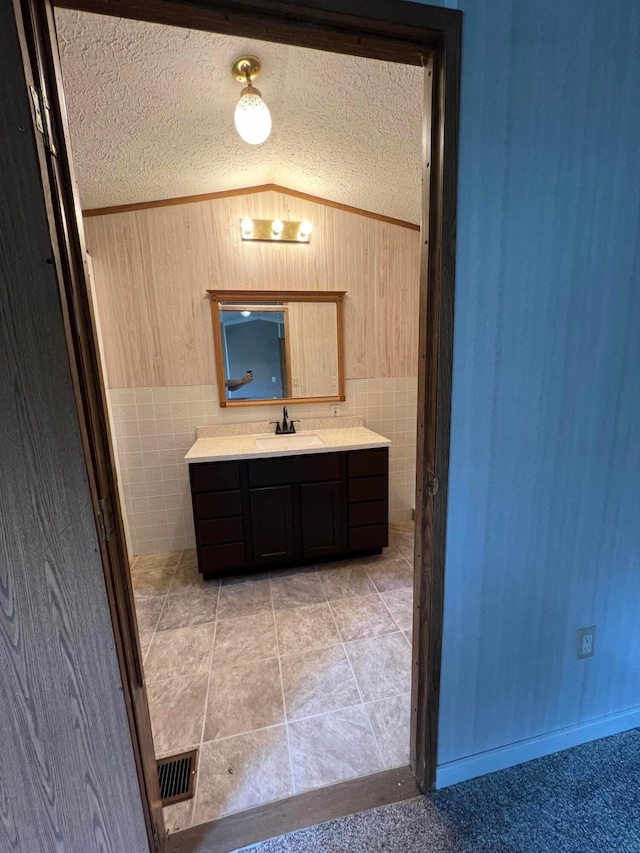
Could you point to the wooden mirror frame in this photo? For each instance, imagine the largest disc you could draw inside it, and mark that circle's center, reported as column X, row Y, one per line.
column 269, row 297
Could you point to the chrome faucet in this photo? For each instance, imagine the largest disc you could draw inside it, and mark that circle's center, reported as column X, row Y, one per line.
column 287, row 427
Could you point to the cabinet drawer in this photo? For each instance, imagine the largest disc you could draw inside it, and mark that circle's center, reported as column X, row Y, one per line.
column 214, row 558
column 217, row 505
column 216, row 531
column 321, row 466
column 215, row 476
column 295, row 469
column 368, row 489
column 363, row 463
column 369, row 537
column 372, row 512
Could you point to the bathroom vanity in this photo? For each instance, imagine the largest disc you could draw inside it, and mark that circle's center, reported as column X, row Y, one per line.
column 261, row 501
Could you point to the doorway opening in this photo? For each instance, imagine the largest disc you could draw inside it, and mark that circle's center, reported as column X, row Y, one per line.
column 427, row 427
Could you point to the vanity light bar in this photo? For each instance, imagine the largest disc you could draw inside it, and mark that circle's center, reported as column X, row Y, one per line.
column 275, row 230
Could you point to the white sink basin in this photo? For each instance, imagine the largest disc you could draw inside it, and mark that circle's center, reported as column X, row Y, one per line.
column 297, row 441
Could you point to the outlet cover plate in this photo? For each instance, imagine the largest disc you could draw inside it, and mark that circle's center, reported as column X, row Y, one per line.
column 586, row 642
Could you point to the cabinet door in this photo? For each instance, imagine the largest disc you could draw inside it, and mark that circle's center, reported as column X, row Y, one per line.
column 322, row 511
column 272, row 524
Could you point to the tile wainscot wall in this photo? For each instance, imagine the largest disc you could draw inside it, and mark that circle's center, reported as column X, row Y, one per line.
column 154, row 428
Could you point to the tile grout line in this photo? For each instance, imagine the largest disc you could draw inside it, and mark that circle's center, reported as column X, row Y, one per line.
column 284, row 702
column 362, row 702
column 204, row 719
column 386, row 607
column 154, row 632
column 304, row 720
column 206, row 707
column 164, row 603
column 395, row 622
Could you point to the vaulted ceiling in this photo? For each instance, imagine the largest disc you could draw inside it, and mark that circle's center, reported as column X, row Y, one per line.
column 151, row 115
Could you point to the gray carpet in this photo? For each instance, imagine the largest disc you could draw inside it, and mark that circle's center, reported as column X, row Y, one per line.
column 583, row 800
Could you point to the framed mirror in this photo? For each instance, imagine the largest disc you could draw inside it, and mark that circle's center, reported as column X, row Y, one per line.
column 278, row 346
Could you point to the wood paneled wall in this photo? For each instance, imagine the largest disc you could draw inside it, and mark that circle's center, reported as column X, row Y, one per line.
column 67, row 773
column 153, row 267
column 313, row 329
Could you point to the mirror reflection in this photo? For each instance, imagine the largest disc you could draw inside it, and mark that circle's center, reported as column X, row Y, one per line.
column 278, row 349
column 254, row 349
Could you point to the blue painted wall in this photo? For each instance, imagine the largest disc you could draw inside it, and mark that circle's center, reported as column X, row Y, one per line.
column 544, row 506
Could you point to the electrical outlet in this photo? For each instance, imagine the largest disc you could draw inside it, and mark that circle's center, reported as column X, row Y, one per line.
column 586, row 641
column 334, row 411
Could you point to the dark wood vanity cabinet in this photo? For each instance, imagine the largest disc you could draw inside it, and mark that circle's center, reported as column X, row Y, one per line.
column 289, row 509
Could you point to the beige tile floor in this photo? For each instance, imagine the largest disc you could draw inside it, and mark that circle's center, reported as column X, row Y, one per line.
column 286, row 680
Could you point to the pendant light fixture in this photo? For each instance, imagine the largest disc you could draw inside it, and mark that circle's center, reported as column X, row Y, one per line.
column 252, row 117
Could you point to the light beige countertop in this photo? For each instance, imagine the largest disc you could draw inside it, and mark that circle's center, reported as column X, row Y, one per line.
column 215, row 444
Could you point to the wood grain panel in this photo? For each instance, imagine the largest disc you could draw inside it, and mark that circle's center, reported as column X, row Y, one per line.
column 313, row 347
column 66, row 755
column 152, row 269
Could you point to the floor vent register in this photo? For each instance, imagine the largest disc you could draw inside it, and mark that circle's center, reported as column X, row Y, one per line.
column 177, row 777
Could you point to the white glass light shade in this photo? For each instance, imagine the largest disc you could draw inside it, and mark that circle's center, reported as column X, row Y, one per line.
column 252, row 117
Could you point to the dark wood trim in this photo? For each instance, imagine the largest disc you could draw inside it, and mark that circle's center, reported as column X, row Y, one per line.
column 380, row 29
column 170, row 202
column 248, row 827
column 434, row 404
column 262, row 188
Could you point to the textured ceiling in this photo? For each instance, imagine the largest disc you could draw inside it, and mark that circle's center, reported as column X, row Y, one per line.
column 151, row 115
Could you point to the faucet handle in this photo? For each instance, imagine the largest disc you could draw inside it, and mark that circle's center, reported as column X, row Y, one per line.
column 291, row 425
column 278, row 427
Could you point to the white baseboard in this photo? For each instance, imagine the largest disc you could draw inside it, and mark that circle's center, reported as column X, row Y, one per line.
column 536, row 747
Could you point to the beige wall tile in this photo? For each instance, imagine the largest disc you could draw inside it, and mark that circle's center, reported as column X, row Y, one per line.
column 154, row 459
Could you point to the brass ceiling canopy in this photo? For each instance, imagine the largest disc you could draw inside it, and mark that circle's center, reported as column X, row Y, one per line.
column 245, row 69
column 251, row 117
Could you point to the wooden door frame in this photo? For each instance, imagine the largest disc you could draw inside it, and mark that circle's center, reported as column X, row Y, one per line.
column 404, row 32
